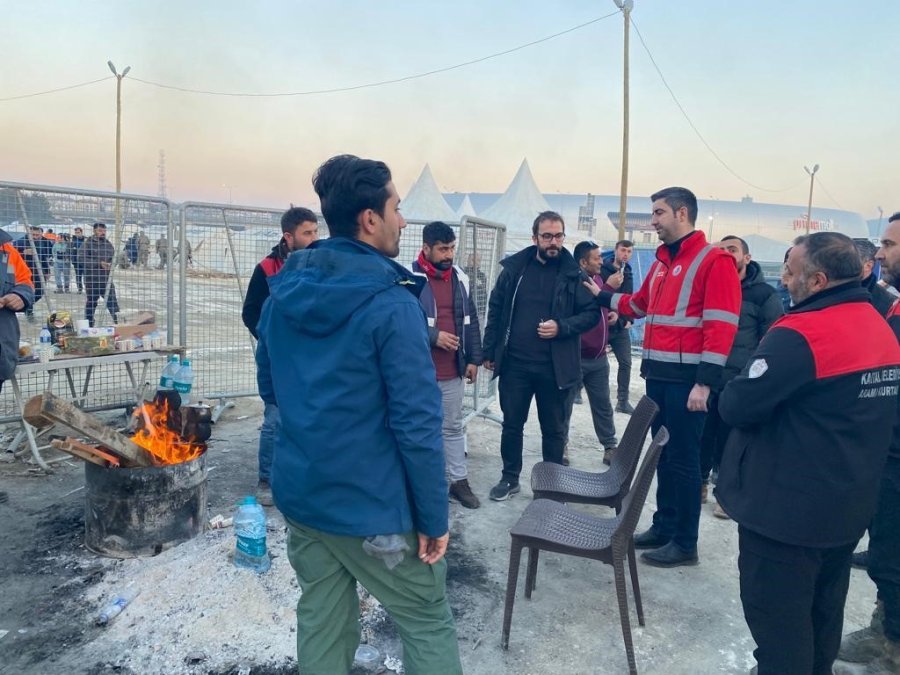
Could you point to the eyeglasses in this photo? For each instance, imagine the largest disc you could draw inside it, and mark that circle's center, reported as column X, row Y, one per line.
column 549, row 236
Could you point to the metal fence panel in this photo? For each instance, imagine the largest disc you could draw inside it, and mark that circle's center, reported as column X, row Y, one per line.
column 139, row 285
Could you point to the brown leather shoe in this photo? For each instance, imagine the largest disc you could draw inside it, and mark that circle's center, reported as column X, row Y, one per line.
column 461, row 492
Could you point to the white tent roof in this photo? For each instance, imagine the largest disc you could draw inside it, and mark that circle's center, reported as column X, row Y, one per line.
column 517, row 207
column 466, row 208
column 425, row 201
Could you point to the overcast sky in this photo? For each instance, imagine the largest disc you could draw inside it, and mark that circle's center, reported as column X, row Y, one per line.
column 770, row 85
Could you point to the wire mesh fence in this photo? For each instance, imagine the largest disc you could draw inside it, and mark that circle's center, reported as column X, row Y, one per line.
column 52, row 227
column 189, row 265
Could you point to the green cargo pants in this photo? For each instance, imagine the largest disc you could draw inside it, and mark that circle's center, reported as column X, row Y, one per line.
column 413, row 593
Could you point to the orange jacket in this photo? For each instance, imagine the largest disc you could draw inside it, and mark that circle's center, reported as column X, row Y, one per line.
column 692, row 304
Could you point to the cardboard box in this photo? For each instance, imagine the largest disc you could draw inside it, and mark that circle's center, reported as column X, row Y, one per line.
column 138, row 324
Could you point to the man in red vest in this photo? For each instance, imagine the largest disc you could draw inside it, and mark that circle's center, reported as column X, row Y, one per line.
column 691, row 299
column 812, row 413
column 299, row 229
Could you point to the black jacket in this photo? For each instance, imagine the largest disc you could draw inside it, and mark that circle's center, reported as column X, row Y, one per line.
column 258, row 288
column 881, row 299
column 573, row 308
column 607, row 269
column 812, row 413
column 760, row 308
column 465, row 317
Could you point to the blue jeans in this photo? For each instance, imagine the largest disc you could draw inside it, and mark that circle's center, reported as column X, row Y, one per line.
column 267, row 433
column 678, row 472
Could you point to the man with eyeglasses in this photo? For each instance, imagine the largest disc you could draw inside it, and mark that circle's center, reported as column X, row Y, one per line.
column 537, row 311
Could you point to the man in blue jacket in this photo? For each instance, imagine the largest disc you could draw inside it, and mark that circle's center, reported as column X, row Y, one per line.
column 359, row 473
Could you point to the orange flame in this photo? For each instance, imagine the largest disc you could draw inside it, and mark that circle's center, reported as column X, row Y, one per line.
column 166, row 446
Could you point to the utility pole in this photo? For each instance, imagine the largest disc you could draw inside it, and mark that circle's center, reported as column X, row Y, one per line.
column 626, row 7
column 119, row 78
column 812, row 180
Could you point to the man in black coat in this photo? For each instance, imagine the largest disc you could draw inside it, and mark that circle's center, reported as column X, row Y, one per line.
column 760, row 308
column 879, row 644
column 536, row 313
column 95, row 257
column 812, row 413
column 620, row 331
column 881, row 298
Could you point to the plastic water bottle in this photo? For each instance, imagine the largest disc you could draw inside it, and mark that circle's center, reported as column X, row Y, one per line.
column 45, row 338
column 167, row 377
column 250, row 528
column 116, row 605
column 184, row 380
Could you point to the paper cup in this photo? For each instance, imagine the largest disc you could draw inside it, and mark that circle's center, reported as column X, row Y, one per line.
column 45, row 355
column 81, row 326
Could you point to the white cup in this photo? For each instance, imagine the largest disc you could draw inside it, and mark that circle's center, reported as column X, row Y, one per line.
column 44, row 355
column 81, row 326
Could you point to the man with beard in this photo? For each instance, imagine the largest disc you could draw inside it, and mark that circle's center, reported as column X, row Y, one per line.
column 812, row 414
column 359, row 471
column 37, row 252
column 77, row 243
column 691, row 298
column 760, row 308
column 537, row 311
column 299, row 229
column 879, row 644
column 95, row 257
column 455, row 345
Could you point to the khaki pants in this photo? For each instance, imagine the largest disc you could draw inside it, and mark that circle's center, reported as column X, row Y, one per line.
column 413, row 593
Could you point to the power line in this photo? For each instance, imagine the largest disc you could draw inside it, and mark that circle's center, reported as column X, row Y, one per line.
column 53, row 91
column 825, row 190
column 379, row 83
column 696, row 130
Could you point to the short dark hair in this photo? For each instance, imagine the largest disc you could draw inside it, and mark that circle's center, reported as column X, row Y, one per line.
column 676, row 198
column 624, row 243
column 546, row 215
column 436, row 232
column 583, row 249
column 96, row 225
column 832, row 253
column 894, row 217
column 744, row 247
column 347, row 186
column 865, row 248
column 296, row 215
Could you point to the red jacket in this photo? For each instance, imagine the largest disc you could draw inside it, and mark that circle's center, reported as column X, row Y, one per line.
column 692, row 304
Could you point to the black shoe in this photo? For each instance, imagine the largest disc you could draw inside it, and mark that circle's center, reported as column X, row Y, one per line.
column 670, row 555
column 860, row 560
column 503, row 490
column 461, row 492
column 650, row 539
column 578, row 399
column 624, row 407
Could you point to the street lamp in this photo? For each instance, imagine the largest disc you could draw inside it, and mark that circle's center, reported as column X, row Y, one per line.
column 812, row 180
column 880, row 216
column 119, row 77
column 228, row 187
column 626, row 6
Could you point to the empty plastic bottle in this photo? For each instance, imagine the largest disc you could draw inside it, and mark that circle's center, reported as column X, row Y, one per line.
column 184, row 381
column 116, row 605
column 167, row 376
column 250, row 529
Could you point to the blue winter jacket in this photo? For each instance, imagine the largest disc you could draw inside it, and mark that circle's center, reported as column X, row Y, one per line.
column 343, row 351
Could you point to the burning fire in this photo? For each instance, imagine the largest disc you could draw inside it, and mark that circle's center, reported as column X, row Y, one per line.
column 166, row 446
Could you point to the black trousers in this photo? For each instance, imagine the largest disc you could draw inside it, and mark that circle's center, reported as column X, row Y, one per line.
column 95, row 288
column 620, row 341
column 884, row 548
column 712, row 442
column 519, row 383
column 793, row 598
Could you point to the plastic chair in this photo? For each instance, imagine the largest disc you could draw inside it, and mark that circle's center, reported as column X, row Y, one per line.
column 551, row 526
column 608, row 488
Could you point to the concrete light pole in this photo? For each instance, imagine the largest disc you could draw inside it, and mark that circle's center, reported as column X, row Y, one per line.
column 118, row 232
column 812, row 180
column 626, row 7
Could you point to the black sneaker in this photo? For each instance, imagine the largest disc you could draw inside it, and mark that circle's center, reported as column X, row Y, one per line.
column 670, row 555
column 624, row 407
column 608, row 454
column 503, row 490
column 264, row 493
column 461, row 492
column 650, row 539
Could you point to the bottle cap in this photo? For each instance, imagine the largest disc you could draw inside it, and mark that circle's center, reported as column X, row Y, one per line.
column 248, row 500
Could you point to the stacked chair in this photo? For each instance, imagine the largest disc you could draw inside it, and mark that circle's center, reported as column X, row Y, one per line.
column 549, row 524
